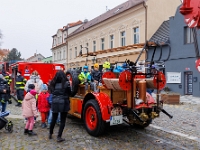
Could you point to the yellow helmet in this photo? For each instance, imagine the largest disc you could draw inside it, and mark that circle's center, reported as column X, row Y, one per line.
column 106, row 65
column 96, row 65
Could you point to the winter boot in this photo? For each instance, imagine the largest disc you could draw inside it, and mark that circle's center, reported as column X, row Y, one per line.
column 31, row 133
column 44, row 125
column 50, row 136
column 18, row 105
column 48, row 126
column 25, row 131
column 59, row 139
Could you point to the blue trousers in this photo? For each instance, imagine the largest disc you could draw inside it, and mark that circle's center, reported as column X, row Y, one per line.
column 50, row 117
column 3, row 105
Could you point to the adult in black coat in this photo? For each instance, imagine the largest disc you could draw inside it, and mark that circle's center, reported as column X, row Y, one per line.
column 3, row 93
column 61, row 90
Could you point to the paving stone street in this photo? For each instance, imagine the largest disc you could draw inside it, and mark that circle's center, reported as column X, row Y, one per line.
column 181, row 132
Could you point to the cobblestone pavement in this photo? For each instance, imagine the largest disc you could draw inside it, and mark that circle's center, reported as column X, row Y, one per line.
column 121, row 137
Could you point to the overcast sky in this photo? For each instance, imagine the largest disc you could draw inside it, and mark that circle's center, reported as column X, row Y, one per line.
column 29, row 24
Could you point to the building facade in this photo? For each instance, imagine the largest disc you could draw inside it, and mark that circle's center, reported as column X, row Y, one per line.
column 59, row 44
column 119, row 33
column 179, row 54
column 35, row 58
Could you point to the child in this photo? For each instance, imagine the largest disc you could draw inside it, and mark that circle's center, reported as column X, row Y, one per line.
column 29, row 111
column 43, row 105
column 30, row 87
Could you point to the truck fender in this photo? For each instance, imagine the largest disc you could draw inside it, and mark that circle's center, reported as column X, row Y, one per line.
column 104, row 102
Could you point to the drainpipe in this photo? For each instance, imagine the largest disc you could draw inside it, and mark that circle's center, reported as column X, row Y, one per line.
column 145, row 6
column 67, row 47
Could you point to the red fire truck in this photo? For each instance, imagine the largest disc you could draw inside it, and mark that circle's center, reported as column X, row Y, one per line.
column 45, row 70
column 122, row 98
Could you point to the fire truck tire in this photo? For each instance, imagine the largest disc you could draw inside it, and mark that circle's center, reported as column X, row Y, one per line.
column 74, row 81
column 94, row 123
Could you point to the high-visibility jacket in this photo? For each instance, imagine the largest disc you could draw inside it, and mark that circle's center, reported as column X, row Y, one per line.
column 8, row 79
column 84, row 77
column 20, row 82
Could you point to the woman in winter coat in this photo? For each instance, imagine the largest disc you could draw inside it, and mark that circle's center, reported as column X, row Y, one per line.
column 34, row 79
column 29, row 111
column 61, row 91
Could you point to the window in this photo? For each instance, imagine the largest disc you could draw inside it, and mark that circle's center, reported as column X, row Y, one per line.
column 54, row 56
column 64, row 54
column 136, row 35
column 123, row 38
column 70, row 54
column 87, row 45
column 111, row 41
column 102, row 43
column 188, row 34
column 54, row 42
column 94, row 46
column 75, row 52
column 60, row 55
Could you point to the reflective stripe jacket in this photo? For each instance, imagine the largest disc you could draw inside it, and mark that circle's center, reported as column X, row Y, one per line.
column 8, row 79
column 84, row 77
column 20, row 82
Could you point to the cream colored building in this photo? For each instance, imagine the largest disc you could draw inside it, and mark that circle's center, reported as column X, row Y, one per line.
column 112, row 36
column 59, row 44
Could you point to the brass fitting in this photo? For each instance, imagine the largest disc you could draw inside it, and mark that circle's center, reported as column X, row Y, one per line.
column 154, row 115
column 144, row 117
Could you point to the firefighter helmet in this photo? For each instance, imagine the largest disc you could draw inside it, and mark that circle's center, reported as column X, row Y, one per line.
column 106, row 65
column 85, row 67
column 96, row 65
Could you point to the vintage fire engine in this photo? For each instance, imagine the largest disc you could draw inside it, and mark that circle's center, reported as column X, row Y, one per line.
column 122, row 98
column 45, row 70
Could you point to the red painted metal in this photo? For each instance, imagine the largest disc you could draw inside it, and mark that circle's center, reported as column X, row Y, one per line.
column 108, row 75
column 105, row 104
column 191, row 11
column 140, row 75
column 198, row 64
column 45, row 70
column 91, row 118
column 160, row 80
column 125, row 80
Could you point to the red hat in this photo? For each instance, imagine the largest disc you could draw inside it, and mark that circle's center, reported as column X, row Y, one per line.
column 33, row 92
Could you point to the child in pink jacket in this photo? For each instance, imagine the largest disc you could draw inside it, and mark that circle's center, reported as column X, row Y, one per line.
column 29, row 111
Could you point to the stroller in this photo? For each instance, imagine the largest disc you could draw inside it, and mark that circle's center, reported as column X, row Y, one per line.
column 4, row 123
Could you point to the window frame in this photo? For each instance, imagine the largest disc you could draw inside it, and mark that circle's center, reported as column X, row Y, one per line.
column 102, row 43
column 136, row 35
column 123, row 38
column 188, row 39
column 94, row 46
column 111, row 43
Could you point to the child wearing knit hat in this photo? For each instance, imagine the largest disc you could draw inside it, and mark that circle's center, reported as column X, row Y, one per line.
column 29, row 112
column 43, row 105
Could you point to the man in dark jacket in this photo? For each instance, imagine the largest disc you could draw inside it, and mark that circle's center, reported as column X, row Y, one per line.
column 3, row 95
column 95, row 78
column 19, row 86
column 8, row 78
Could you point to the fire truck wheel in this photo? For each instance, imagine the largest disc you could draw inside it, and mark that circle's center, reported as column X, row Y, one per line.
column 92, row 118
column 73, row 81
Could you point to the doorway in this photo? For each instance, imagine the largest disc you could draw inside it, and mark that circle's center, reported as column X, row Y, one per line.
column 188, row 78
